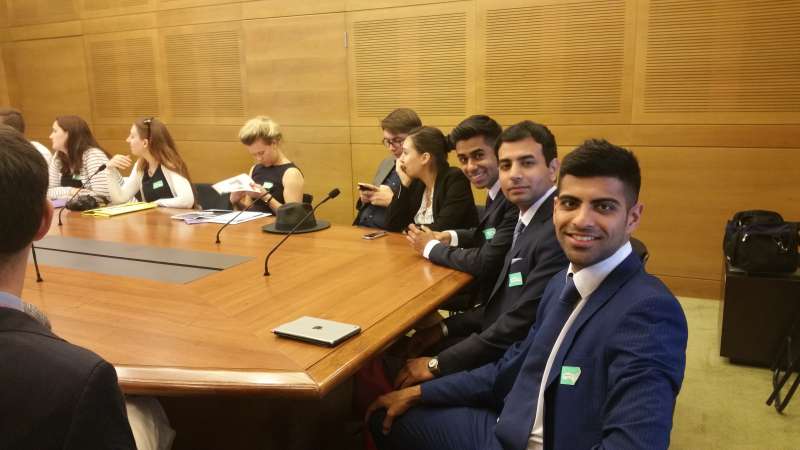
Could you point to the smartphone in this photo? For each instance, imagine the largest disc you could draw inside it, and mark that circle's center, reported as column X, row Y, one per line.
column 375, row 235
column 366, row 187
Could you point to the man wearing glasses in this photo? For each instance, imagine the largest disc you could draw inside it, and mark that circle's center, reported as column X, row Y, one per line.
column 375, row 198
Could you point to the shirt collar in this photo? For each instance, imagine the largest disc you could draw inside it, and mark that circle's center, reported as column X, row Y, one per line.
column 528, row 215
column 588, row 279
column 494, row 189
column 10, row 301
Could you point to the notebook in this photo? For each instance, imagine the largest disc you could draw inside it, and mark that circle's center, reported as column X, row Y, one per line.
column 317, row 331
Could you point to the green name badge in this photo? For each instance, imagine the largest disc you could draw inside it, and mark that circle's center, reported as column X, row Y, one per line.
column 570, row 375
column 158, row 184
column 488, row 233
column 76, row 177
column 514, row 279
column 267, row 185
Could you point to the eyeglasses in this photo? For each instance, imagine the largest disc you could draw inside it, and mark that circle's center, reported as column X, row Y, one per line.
column 394, row 142
column 147, row 122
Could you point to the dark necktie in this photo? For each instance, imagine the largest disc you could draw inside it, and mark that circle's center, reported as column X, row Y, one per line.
column 517, row 231
column 488, row 203
column 521, row 400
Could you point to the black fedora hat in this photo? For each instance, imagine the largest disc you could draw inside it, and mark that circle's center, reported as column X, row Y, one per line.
column 290, row 214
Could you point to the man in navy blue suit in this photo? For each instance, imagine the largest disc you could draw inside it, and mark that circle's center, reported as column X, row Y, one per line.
column 603, row 363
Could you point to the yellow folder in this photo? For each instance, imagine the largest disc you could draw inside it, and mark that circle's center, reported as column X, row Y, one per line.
column 116, row 210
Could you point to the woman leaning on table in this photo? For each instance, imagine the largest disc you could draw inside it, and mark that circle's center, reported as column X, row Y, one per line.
column 77, row 159
column 432, row 193
column 273, row 171
column 158, row 175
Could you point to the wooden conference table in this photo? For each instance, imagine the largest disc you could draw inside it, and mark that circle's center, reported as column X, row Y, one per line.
column 214, row 334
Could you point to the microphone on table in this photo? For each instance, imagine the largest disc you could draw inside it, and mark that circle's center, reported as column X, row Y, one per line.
column 36, row 264
column 240, row 212
column 99, row 169
column 332, row 194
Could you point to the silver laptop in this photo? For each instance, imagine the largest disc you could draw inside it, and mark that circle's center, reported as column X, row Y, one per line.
column 317, row 331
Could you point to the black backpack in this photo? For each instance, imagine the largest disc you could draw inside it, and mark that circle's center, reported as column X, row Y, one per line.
column 761, row 242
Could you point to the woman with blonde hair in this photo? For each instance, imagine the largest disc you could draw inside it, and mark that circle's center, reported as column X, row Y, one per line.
column 272, row 172
column 77, row 160
column 159, row 175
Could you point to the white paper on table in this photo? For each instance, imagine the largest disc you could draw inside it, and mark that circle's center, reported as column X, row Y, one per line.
column 239, row 183
column 246, row 216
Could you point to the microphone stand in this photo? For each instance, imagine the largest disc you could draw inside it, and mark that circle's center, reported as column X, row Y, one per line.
column 240, row 212
column 36, row 264
column 331, row 195
column 61, row 211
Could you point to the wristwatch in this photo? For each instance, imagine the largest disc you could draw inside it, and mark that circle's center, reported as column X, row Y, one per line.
column 433, row 366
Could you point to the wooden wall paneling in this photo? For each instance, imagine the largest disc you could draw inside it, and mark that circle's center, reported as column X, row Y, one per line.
column 212, row 161
column 122, row 75
column 50, row 79
column 178, row 4
column 199, row 15
column 324, row 167
column 128, row 22
column 355, row 5
column 689, row 194
column 419, row 57
column 279, row 8
column 45, row 30
column 28, row 12
column 717, row 135
column 101, row 8
column 718, row 62
column 298, row 69
column 204, row 72
column 557, row 62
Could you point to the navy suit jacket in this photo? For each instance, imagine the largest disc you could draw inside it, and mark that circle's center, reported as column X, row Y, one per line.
column 480, row 257
column 630, row 343
column 384, row 168
column 56, row 395
column 508, row 312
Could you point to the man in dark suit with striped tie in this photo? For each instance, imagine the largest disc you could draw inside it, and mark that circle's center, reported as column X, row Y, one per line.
column 528, row 165
column 602, row 365
column 478, row 251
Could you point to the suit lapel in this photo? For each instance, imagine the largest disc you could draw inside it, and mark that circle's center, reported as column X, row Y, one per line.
column 383, row 170
column 629, row 267
column 544, row 213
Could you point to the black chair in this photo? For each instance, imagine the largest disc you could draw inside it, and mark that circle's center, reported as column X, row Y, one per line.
column 787, row 363
column 208, row 198
column 640, row 249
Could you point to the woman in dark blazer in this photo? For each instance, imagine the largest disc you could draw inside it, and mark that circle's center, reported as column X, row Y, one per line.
column 432, row 193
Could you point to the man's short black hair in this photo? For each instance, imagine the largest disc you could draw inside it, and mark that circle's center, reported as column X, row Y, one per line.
column 23, row 190
column 528, row 129
column 13, row 118
column 477, row 125
column 600, row 158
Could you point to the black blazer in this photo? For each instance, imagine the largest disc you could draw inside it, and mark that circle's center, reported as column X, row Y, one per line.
column 508, row 313
column 56, row 395
column 453, row 204
column 476, row 255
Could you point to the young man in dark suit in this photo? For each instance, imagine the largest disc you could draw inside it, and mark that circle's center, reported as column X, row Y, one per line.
column 602, row 365
column 55, row 395
column 375, row 198
column 478, row 251
column 528, row 165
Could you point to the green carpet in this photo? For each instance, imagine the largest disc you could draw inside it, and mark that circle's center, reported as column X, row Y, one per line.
column 722, row 405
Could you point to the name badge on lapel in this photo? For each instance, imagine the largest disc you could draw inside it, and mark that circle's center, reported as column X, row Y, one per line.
column 514, row 279
column 488, row 233
column 570, row 375
column 158, row 184
column 267, row 185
